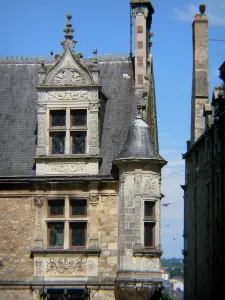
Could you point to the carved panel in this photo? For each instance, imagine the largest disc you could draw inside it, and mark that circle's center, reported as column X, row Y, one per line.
column 151, row 185
column 39, row 202
column 71, row 168
column 68, row 77
column 38, row 267
column 138, row 220
column 41, row 129
column 150, row 264
column 66, row 266
column 138, row 180
column 94, row 129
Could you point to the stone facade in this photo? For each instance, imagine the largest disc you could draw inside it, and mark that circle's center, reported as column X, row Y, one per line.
column 68, row 225
column 204, row 193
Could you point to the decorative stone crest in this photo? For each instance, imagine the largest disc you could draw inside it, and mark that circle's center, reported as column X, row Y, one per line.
column 64, row 266
column 94, row 199
column 68, row 77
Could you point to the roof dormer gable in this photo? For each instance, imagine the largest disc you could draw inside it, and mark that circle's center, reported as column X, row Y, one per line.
column 69, row 70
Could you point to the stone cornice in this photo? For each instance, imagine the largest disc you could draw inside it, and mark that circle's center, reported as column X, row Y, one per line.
column 86, row 252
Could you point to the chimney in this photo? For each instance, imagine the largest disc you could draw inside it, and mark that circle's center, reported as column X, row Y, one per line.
column 200, row 83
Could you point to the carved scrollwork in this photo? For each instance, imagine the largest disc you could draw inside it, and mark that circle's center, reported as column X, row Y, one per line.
column 68, row 77
column 66, row 265
column 150, row 264
column 151, row 185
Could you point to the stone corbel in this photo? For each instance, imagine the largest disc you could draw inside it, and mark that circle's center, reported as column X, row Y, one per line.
column 38, row 240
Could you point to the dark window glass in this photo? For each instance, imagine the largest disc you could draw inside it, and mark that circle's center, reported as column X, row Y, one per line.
column 58, row 118
column 78, row 234
column 78, row 117
column 78, row 207
column 78, row 142
column 58, row 142
column 60, row 294
column 149, row 209
column 56, row 207
column 148, row 234
column 56, row 234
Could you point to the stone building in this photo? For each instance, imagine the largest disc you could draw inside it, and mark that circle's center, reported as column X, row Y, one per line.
column 80, row 183
column 204, row 231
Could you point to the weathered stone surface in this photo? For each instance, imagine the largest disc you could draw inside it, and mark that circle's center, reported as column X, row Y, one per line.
column 16, row 294
column 16, row 235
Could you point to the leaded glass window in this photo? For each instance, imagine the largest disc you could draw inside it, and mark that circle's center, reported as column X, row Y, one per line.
column 78, row 207
column 56, row 234
column 58, row 118
column 149, row 210
column 58, row 142
column 148, row 234
column 78, row 234
column 78, row 142
column 78, row 117
column 56, row 208
column 56, row 294
column 71, row 294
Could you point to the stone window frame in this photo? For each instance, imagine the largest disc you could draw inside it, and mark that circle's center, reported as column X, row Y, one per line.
column 67, row 219
column 153, row 221
column 68, row 129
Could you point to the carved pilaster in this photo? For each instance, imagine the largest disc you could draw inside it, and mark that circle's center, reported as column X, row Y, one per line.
column 41, row 129
column 121, row 221
column 94, row 132
column 38, row 240
column 137, row 192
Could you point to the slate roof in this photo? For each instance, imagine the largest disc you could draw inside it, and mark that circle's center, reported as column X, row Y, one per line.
column 18, row 116
column 139, row 144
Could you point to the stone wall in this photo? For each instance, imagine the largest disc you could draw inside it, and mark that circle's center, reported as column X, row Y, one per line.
column 19, row 294
column 16, row 236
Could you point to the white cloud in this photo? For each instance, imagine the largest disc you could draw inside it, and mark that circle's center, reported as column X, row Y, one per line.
column 215, row 11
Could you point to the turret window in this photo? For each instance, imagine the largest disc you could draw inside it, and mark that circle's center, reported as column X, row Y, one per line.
column 149, row 223
column 73, row 121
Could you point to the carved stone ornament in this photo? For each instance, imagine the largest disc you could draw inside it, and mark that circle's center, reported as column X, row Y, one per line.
column 151, row 185
column 94, row 199
column 41, row 108
column 150, row 264
column 39, row 201
column 38, row 268
column 66, row 266
column 68, row 77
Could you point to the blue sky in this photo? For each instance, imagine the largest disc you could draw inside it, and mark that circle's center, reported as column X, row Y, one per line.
column 34, row 28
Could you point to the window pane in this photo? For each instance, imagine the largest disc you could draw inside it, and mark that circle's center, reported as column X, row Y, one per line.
column 78, row 207
column 78, row 234
column 58, row 118
column 78, row 117
column 58, row 143
column 78, row 142
column 148, row 234
column 149, row 208
column 56, row 234
column 56, row 207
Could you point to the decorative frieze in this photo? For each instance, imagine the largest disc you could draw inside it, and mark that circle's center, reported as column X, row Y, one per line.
column 67, row 168
column 66, row 266
column 62, row 96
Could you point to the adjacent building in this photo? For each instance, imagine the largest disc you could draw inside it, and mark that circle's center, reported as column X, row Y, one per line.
column 204, row 231
column 80, row 176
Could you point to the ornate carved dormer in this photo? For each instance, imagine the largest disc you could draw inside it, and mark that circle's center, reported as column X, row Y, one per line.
column 69, row 104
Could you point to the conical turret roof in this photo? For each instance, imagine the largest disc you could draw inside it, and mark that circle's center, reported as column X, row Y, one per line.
column 139, row 144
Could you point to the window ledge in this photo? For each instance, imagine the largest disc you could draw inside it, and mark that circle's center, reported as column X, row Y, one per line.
column 65, row 157
column 147, row 252
column 44, row 252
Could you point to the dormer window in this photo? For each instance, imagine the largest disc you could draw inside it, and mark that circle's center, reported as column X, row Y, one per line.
column 68, row 131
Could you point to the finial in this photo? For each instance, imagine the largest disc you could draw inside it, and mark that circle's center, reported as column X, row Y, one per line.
column 139, row 115
column 202, row 9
